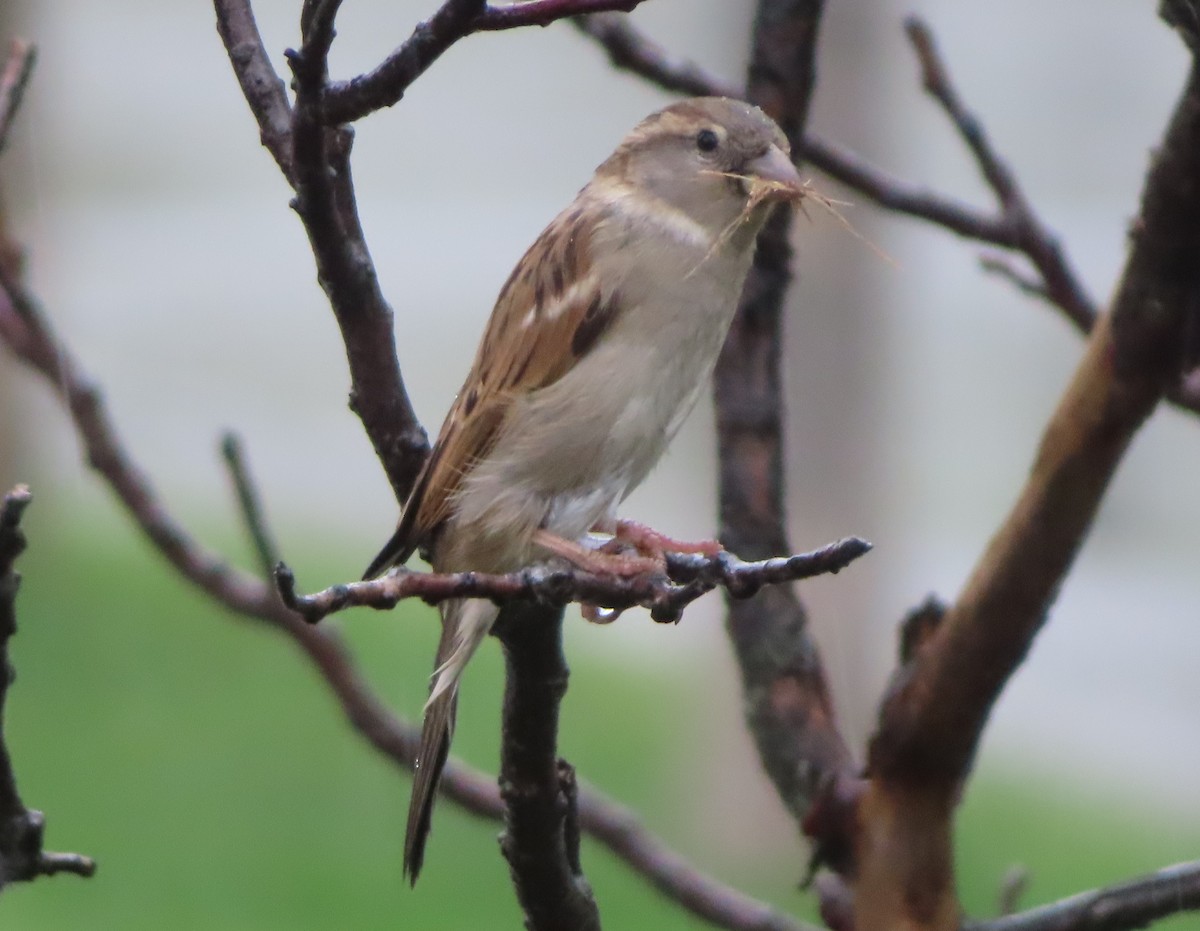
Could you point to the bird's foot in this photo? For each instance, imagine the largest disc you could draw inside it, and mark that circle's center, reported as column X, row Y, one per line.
column 649, row 542
column 598, row 561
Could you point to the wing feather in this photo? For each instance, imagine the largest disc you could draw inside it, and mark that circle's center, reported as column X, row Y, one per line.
column 549, row 314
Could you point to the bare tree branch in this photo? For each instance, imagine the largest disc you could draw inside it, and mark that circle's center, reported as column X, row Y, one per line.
column 631, row 50
column 21, row 855
column 384, row 86
column 325, row 203
column 13, row 81
column 689, row 575
column 541, row 828
column 788, row 706
column 932, row 719
column 262, row 87
column 248, row 502
column 1132, row 904
column 1030, row 233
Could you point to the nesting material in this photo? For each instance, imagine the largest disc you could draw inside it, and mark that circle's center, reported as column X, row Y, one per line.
column 762, row 190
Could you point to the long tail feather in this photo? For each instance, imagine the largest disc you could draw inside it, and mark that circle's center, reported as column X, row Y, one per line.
column 464, row 625
column 435, row 747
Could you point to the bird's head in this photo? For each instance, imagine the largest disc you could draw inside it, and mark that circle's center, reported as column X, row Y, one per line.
column 712, row 158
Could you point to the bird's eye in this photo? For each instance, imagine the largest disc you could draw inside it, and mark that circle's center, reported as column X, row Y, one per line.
column 707, row 140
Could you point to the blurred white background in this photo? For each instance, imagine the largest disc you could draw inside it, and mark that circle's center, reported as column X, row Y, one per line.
column 160, row 240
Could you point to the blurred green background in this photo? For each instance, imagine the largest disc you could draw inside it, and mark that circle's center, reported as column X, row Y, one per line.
column 202, row 763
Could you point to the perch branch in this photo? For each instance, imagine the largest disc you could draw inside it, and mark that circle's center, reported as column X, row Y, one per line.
column 384, row 86
column 21, row 855
column 689, row 575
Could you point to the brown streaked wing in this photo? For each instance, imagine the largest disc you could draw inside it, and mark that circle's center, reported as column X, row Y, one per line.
column 550, row 313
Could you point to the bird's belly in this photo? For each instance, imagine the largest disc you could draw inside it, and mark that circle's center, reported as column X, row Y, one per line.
column 570, row 452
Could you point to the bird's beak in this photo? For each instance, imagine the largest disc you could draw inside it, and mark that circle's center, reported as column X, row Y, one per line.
column 775, row 166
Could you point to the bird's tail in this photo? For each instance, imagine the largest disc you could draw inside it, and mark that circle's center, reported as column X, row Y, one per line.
column 465, row 622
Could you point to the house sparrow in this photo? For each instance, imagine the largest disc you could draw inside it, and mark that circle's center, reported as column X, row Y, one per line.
column 600, row 343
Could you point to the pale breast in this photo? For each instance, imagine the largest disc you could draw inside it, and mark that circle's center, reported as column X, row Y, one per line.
column 570, row 452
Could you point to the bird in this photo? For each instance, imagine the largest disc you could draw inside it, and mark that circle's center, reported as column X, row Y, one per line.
column 600, row 343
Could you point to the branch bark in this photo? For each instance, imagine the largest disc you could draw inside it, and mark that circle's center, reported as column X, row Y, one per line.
column 541, row 824
column 1133, row 904
column 689, row 575
column 932, row 720
column 788, row 707
column 384, row 86
column 21, row 855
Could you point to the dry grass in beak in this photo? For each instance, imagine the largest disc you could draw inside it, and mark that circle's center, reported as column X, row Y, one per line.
column 762, row 191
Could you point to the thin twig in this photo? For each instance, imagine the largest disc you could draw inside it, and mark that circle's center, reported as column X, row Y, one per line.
column 384, row 86
column 1133, row 904
column 13, row 81
column 1013, row 885
column 248, row 502
column 1021, row 280
column 631, row 50
column 1032, row 236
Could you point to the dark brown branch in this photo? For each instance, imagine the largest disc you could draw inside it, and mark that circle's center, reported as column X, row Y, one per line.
column 933, row 717
column 900, row 196
column 1133, row 904
column 541, row 830
column 931, row 728
column 788, row 706
column 21, row 830
column 690, row 575
column 630, row 50
column 316, row 162
column 384, row 86
column 1032, row 236
column 263, row 89
column 13, row 81
column 1021, row 280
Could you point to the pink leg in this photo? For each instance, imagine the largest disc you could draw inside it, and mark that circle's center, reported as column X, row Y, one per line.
column 648, row 541
column 601, row 563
